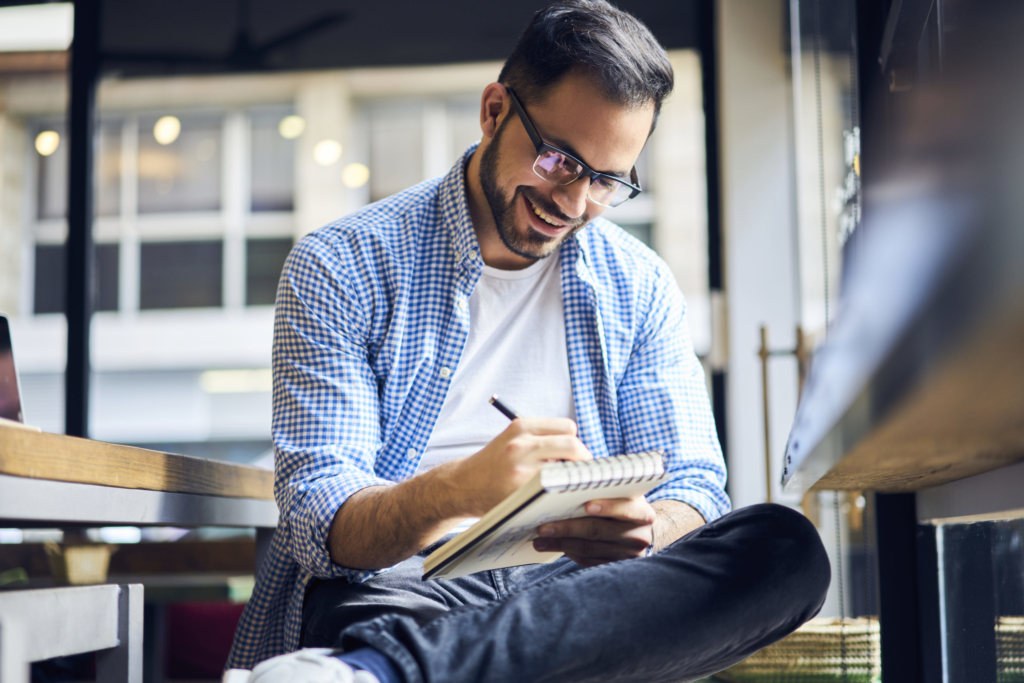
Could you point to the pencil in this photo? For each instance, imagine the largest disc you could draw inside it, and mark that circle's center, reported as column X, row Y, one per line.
column 505, row 410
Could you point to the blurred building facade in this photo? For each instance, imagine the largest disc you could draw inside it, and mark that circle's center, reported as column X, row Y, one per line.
column 202, row 185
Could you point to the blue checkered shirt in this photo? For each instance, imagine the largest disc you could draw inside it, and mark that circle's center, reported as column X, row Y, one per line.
column 366, row 320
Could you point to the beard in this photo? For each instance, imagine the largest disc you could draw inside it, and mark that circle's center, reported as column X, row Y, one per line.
column 525, row 242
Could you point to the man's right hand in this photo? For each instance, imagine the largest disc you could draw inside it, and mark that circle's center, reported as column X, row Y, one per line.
column 380, row 526
column 512, row 459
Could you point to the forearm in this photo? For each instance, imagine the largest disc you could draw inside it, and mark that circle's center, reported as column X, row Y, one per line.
column 379, row 526
column 674, row 520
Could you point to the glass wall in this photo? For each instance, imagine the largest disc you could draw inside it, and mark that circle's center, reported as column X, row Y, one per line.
column 827, row 147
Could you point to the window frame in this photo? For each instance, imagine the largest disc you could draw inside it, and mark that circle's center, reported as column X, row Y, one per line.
column 233, row 224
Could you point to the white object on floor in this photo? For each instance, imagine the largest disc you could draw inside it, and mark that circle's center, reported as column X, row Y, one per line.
column 311, row 665
column 236, row 676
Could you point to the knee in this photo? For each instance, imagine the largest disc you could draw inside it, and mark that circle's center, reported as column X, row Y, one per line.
column 796, row 562
column 809, row 561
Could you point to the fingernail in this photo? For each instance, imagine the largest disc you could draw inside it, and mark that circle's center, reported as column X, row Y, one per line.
column 547, row 531
column 541, row 544
column 593, row 508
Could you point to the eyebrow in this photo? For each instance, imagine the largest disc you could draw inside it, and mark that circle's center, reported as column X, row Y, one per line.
column 566, row 147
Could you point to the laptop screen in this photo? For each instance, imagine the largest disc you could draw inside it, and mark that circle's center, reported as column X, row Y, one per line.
column 10, row 398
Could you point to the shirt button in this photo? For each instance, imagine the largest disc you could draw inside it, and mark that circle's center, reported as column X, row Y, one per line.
column 412, row 453
column 461, row 303
column 446, row 373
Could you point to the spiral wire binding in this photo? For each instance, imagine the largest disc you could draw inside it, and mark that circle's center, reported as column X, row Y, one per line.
column 634, row 468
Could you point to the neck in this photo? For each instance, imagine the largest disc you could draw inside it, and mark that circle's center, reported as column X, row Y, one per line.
column 492, row 249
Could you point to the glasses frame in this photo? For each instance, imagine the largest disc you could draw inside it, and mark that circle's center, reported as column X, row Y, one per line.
column 587, row 172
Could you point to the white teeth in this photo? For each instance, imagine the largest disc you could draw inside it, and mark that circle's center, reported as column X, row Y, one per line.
column 544, row 216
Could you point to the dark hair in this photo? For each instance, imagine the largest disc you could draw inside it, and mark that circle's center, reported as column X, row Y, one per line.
column 594, row 38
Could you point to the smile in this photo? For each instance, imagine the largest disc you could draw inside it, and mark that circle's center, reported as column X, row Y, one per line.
column 544, row 217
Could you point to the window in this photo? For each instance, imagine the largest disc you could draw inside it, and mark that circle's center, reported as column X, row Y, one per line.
column 53, row 174
column 396, row 149
column 50, row 280
column 49, row 290
column 264, row 260
column 181, row 274
column 108, row 262
column 162, row 214
column 180, row 171
column 107, row 175
column 273, row 161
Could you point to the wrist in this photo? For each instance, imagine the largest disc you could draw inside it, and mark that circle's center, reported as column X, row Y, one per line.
column 445, row 488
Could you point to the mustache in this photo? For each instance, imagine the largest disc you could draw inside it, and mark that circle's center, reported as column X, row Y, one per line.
column 550, row 209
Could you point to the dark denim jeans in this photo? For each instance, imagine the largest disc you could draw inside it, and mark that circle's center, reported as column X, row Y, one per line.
column 707, row 601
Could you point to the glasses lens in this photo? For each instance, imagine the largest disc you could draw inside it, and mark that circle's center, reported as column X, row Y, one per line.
column 609, row 192
column 557, row 168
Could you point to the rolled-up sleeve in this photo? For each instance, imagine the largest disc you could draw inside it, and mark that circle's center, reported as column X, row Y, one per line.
column 663, row 405
column 326, row 424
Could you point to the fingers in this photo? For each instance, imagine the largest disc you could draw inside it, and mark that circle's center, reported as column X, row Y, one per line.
column 542, row 426
column 534, row 447
column 559, row 448
column 636, row 509
column 628, row 534
column 588, row 553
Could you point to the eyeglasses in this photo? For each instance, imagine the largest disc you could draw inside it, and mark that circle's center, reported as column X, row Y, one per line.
column 561, row 168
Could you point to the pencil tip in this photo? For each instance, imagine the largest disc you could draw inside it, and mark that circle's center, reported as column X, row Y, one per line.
column 494, row 397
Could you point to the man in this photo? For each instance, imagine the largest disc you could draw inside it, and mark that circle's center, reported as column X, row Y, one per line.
column 393, row 327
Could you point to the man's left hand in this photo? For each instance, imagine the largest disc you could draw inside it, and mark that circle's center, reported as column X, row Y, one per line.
column 618, row 529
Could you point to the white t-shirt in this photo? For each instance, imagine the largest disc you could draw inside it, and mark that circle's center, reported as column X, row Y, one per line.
column 516, row 348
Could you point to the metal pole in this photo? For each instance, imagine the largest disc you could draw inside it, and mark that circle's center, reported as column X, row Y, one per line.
column 80, row 253
column 707, row 43
column 764, row 353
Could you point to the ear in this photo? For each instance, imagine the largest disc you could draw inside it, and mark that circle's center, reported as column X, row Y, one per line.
column 494, row 107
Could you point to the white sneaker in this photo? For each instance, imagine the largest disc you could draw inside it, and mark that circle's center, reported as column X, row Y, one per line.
column 311, row 665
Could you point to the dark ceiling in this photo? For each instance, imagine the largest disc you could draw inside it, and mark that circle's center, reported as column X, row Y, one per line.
column 205, row 36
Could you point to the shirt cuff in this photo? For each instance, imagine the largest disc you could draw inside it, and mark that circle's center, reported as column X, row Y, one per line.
column 311, row 527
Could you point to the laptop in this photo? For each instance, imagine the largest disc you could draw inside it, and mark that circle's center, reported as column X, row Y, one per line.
column 10, row 389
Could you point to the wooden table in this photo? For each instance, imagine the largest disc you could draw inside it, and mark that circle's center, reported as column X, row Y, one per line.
column 55, row 480
column 51, row 479
column 920, row 385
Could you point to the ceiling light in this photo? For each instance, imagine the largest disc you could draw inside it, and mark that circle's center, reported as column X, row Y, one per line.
column 327, row 152
column 355, row 175
column 291, row 127
column 167, row 130
column 47, row 142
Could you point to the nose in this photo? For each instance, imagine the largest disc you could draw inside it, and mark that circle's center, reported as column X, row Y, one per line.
column 572, row 198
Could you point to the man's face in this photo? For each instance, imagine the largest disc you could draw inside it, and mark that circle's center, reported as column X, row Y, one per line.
column 532, row 216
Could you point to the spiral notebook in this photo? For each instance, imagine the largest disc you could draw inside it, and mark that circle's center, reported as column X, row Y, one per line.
column 504, row 536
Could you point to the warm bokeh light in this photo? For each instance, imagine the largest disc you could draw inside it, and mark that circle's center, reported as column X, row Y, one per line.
column 291, row 127
column 167, row 130
column 355, row 175
column 327, row 152
column 47, row 142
